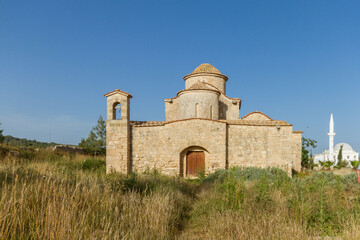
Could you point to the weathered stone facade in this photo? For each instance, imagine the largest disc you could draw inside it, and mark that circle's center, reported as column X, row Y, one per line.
column 201, row 118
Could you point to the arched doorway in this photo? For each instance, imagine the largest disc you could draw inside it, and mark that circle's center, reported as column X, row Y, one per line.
column 193, row 161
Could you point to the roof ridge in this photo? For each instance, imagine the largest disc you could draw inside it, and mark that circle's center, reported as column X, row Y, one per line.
column 206, row 68
column 260, row 113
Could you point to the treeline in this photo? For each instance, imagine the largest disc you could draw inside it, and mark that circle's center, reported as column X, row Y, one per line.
column 23, row 142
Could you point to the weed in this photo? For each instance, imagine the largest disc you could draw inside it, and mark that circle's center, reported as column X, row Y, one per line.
column 93, row 164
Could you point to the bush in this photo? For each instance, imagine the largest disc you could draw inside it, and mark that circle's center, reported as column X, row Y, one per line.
column 27, row 154
column 154, row 181
column 354, row 164
column 93, row 164
column 250, row 174
column 3, row 151
column 349, row 179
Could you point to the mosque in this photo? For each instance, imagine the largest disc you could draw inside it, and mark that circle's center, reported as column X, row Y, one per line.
column 348, row 152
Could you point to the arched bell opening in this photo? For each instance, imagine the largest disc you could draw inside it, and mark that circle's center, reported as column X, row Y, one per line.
column 116, row 111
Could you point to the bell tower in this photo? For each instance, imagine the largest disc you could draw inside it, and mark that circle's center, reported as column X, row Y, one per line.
column 118, row 132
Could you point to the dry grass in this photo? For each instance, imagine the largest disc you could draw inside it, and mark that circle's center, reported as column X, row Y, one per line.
column 46, row 196
column 58, row 200
column 343, row 171
column 42, row 207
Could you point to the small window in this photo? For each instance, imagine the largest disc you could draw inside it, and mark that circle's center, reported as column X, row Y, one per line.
column 197, row 110
column 348, row 157
column 117, row 111
column 211, row 114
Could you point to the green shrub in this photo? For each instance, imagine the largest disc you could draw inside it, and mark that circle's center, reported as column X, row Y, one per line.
column 249, row 174
column 354, row 164
column 234, row 192
column 27, row 155
column 3, row 151
column 93, row 164
column 349, row 179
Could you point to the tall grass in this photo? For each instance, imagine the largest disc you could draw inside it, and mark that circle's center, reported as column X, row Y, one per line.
column 47, row 196
column 256, row 203
column 72, row 198
column 46, row 208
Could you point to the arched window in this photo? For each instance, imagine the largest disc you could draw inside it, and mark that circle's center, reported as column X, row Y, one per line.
column 117, row 111
column 197, row 110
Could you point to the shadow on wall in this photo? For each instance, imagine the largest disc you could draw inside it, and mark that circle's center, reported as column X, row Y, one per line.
column 222, row 110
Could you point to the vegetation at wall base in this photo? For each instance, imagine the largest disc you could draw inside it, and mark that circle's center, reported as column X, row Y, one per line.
column 68, row 196
column 93, row 164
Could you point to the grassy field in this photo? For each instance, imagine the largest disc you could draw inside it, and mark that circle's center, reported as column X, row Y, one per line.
column 47, row 196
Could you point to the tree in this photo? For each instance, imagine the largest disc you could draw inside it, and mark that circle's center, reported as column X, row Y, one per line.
column 341, row 162
column 339, row 157
column 327, row 164
column 307, row 160
column 95, row 143
column 1, row 135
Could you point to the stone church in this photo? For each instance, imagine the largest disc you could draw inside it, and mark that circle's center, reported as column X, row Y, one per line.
column 202, row 132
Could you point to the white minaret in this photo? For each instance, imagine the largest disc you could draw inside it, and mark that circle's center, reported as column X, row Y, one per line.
column 331, row 139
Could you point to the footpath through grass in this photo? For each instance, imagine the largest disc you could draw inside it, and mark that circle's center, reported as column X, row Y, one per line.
column 47, row 196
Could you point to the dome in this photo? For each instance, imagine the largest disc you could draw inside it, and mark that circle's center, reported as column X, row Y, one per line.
column 346, row 147
column 200, row 86
column 206, row 68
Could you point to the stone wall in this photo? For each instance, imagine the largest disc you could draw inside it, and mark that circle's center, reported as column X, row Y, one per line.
column 198, row 104
column 171, row 109
column 228, row 108
column 217, row 80
column 163, row 147
column 260, row 146
column 297, row 150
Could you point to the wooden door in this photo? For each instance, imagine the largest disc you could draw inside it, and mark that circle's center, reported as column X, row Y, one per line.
column 195, row 163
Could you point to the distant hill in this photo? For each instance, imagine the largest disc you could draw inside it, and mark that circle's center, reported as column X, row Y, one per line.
column 23, row 142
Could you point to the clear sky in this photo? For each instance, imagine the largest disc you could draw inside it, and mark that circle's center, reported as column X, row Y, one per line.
column 297, row 61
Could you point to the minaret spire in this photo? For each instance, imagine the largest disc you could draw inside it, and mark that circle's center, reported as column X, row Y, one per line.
column 331, row 139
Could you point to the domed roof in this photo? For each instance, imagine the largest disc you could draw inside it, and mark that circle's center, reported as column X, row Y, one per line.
column 206, row 68
column 346, row 147
column 199, row 86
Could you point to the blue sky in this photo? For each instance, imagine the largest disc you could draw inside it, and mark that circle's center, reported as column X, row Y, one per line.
column 293, row 60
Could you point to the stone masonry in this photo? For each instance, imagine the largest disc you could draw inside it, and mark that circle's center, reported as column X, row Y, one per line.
column 201, row 118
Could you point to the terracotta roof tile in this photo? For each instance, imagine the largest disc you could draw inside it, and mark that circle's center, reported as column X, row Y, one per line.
column 258, row 122
column 117, row 91
column 199, row 86
column 230, row 122
column 147, row 123
column 257, row 112
column 297, row 131
column 206, row 68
